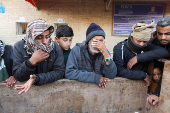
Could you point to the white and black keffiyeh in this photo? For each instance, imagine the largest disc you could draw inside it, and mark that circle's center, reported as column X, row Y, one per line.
column 35, row 28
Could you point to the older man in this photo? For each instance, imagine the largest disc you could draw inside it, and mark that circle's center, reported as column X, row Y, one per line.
column 131, row 55
column 91, row 62
column 37, row 58
column 162, row 39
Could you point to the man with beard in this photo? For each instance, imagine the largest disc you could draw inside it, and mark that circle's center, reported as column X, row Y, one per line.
column 91, row 62
column 162, row 39
column 131, row 54
column 37, row 58
column 163, row 34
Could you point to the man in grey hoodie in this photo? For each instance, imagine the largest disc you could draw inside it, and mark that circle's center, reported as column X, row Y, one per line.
column 91, row 62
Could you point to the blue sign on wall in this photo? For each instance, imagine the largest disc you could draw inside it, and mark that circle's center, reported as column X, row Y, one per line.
column 2, row 9
column 126, row 15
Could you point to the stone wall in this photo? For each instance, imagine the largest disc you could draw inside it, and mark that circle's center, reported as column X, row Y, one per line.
column 69, row 96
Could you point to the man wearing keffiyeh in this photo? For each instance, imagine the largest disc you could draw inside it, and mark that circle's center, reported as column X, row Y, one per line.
column 37, row 58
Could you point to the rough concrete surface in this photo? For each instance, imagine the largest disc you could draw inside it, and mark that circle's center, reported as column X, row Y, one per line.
column 69, row 96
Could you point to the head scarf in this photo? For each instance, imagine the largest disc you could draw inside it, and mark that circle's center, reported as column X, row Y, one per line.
column 35, row 28
column 142, row 31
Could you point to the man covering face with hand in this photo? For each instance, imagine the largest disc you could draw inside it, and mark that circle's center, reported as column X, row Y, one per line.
column 91, row 62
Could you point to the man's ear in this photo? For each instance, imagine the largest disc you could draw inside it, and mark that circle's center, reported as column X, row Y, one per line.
column 57, row 40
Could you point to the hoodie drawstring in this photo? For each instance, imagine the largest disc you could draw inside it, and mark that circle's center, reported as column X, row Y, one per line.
column 122, row 50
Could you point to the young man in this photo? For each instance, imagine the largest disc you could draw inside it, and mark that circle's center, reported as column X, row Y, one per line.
column 6, row 62
column 131, row 54
column 91, row 62
column 163, row 40
column 64, row 36
column 37, row 58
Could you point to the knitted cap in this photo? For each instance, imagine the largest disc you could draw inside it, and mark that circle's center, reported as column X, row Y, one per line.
column 94, row 30
column 142, row 31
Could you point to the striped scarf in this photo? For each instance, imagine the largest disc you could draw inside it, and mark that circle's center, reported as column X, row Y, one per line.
column 1, row 48
column 35, row 28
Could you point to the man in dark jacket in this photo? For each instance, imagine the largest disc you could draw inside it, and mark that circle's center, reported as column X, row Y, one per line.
column 131, row 54
column 91, row 62
column 6, row 62
column 162, row 39
column 37, row 57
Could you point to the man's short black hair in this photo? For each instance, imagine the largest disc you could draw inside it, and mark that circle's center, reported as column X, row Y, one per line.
column 64, row 31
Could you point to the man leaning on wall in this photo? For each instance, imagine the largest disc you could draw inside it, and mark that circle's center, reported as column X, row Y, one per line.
column 162, row 39
column 131, row 55
column 6, row 62
column 37, row 58
column 91, row 62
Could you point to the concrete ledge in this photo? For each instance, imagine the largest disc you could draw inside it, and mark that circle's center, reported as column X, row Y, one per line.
column 69, row 96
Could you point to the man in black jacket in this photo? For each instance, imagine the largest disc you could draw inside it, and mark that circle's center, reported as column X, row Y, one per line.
column 37, row 57
column 162, row 39
column 6, row 62
column 131, row 54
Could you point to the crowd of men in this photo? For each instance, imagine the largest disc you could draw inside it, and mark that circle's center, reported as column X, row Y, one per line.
column 38, row 60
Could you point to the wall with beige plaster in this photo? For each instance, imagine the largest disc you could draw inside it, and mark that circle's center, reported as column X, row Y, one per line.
column 78, row 13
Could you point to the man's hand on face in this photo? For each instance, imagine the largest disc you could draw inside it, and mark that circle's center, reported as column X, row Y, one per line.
column 25, row 87
column 38, row 56
column 100, row 45
column 148, row 80
column 132, row 62
column 103, row 82
column 152, row 99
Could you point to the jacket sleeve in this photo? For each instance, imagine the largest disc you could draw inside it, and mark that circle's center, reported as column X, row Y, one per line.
column 11, row 60
column 73, row 72
column 8, row 58
column 121, row 64
column 110, row 71
column 20, row 71
column 153, row 53
column 56, row 73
